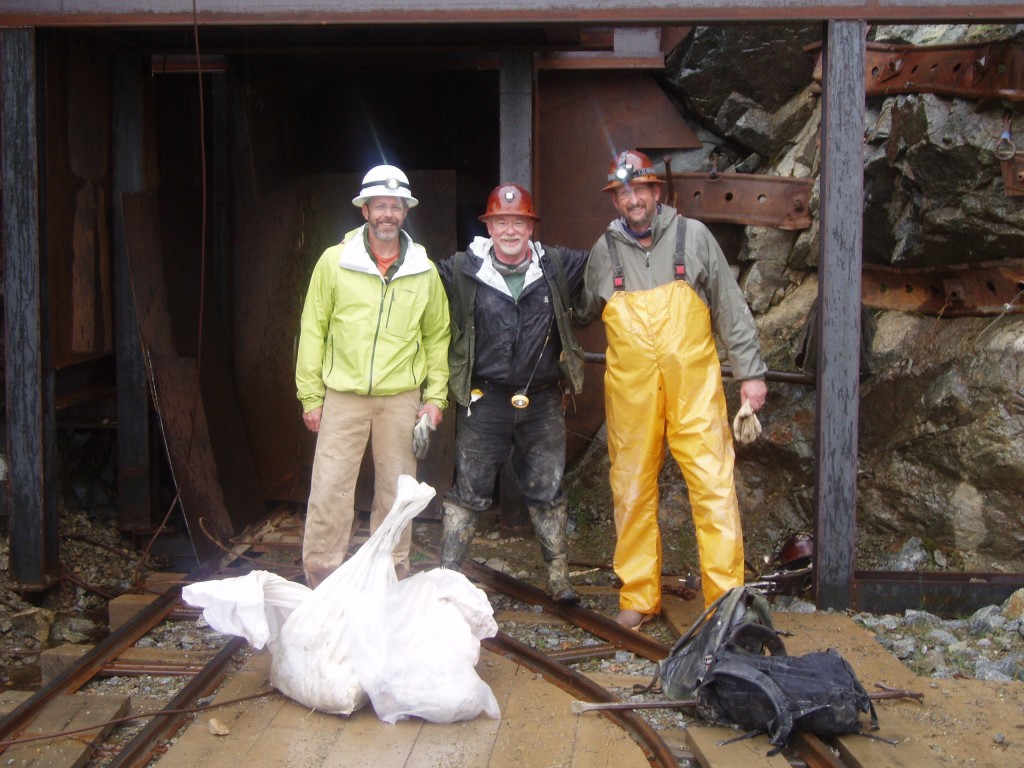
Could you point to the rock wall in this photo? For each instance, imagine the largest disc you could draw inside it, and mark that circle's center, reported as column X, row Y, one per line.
column 941, row 455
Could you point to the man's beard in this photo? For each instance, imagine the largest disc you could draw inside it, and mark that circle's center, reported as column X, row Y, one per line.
column 384, row 236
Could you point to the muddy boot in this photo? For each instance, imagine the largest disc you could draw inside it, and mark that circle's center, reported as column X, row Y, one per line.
column 457, row 533
column 549, row 527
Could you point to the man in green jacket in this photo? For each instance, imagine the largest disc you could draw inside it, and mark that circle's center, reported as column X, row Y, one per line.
column 372, row 359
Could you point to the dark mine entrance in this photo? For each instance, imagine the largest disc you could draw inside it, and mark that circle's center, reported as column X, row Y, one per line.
column 286, row 142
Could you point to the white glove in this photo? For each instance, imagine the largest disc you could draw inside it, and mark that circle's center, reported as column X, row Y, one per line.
column 746, row 427
column 421, row 436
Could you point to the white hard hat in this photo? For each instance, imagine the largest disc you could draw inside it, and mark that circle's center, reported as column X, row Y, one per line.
column 385, row 181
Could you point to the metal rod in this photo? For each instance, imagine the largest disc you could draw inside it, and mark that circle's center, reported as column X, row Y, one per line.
column 788, row 377
column 579, row 707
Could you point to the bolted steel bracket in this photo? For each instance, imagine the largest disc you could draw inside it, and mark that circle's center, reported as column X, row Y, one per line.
column 986, row 288
column 745, row 198
column 973, row 71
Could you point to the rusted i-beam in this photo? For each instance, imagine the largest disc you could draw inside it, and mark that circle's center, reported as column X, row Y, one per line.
column 992, row 70
column 986, row 288
column 745, row 198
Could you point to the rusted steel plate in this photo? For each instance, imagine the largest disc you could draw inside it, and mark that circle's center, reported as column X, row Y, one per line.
column 745, row 198
column 583, row 118
column 982, row 70
column 1013, row 175
column 183, row 12
column 986, row 288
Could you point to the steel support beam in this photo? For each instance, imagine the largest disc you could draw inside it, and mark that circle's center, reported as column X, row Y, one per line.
column 516, row 117
column 614, row 13
column 134, row 478
column 842, row 184
column 31, row 422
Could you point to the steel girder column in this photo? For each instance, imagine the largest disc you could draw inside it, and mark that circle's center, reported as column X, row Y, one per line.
column 134, row 467
column 515, row 115
column 838, row 397
column 516, row 118
column 31, row 421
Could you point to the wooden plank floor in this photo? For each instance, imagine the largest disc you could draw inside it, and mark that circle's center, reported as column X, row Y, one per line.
column 537, row 729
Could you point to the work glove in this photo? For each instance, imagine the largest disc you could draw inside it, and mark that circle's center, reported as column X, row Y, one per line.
column 746, row 427
column 421, row 436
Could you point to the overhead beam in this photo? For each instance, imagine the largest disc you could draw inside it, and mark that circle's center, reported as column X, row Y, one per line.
column 71, row 13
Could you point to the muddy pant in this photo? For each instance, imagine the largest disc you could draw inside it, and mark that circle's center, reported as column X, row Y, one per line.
column 491, row 430
column 348, row 422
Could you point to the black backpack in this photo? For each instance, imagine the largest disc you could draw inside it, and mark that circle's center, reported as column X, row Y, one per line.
column 691, row 656
column 778, row 694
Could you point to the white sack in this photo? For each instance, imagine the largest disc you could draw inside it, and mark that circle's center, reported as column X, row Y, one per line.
column 416, row 651
column 312, row 664
column 412, row 645
column 254, row 606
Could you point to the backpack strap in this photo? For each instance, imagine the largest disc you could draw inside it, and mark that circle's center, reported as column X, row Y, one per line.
column 464, row 289
column 558, row 286
column 699, row 623
column 782, row 725
column 760, row 635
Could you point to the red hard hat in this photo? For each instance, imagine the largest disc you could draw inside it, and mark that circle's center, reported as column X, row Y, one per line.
column 631, row 167
column 510, row 200
column 795, row 550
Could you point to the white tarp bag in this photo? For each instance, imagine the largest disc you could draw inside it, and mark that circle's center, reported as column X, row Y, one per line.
column 410, row 646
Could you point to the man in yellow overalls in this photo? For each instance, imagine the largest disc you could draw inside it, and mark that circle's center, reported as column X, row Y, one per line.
column 663, row 288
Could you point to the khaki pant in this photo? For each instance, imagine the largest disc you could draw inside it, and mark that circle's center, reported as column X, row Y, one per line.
column 348, row 422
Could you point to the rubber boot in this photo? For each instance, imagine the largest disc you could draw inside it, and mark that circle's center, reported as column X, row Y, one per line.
column 549, row 527
column 459, row 525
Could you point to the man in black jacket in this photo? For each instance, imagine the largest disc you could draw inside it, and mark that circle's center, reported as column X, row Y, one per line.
column 511, row 360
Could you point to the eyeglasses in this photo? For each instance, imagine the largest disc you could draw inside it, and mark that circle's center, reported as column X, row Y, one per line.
column 628, row 190
column 519, row 225
column 382, row 207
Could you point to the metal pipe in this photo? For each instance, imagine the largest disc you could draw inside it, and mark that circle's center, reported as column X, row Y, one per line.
column 788, row 377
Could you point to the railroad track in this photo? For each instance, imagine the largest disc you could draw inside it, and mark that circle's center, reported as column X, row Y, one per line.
column 605, row 637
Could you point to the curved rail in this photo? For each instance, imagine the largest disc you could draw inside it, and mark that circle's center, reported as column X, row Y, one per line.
column 579, row 685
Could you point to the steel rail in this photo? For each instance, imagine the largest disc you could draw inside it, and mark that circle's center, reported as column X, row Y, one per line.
column 141, row 749
column 594, row 623
column 89, row 666
column 579, row 685
column 92, row 663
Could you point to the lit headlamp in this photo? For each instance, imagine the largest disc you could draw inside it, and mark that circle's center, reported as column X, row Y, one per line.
column 626, row 172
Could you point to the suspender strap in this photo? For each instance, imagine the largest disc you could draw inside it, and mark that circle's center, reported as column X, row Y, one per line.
column 618, row 278
column 678, row 259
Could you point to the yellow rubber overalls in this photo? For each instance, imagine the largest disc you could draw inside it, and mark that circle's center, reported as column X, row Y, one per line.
column 663, row 380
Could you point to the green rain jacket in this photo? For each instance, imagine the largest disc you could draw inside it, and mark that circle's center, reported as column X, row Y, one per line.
column 363, row 334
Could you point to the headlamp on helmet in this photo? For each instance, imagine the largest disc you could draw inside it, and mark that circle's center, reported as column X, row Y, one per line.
column 385, row 181
column 631, row 167
column 510, row 200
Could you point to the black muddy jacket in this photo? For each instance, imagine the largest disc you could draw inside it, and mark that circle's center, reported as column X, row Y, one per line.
column 500, row 342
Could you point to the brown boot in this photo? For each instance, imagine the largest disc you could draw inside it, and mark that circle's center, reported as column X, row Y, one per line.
column 549, row 527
